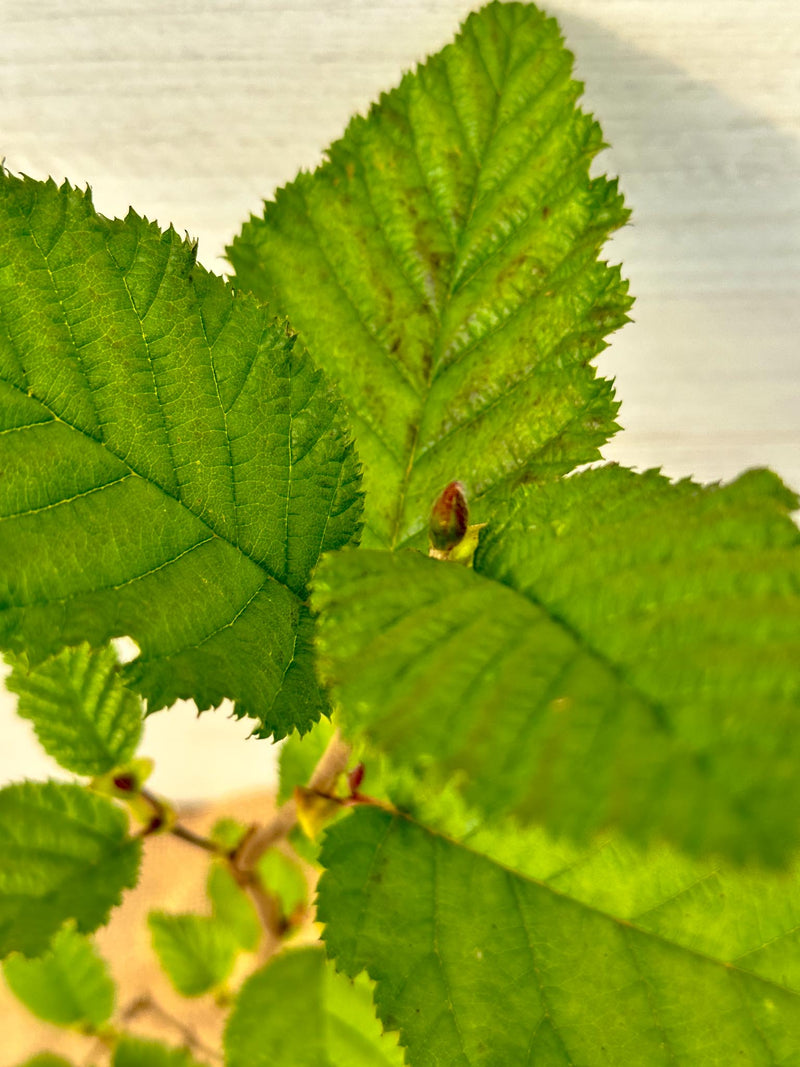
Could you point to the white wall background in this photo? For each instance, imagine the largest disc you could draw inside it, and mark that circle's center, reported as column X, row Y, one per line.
column 193, row 110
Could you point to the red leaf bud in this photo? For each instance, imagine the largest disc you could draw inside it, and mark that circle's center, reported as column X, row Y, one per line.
column 449, row 518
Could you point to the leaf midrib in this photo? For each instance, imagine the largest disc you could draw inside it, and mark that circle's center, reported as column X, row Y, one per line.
column 429, row 369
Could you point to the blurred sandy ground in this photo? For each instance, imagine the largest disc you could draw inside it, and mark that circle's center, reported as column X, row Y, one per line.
column 173, row 879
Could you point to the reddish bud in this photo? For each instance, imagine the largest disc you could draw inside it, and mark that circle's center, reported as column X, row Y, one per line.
column 355, row 778
column 126, row 783
column 156, row 823
column 449, row 518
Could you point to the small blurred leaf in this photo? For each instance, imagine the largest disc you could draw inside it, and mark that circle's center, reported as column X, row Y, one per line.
column 282, row 877
column 46, row 1059
column 133, row 1052
column 69, row 985
column 196, row 952
column 232, row 907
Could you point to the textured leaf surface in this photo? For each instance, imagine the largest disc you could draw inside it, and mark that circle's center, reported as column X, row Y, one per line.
column 232, row 907
column 66, row 854
column 197, row 952
column 298, row 1012
column 83, row 715
column 497, row 970
column 69, row 985
column 134, row 1052
column 628, row 655
column 172, row 463
column 443, row 267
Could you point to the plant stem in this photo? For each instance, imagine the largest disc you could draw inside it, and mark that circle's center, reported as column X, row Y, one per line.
column 332, row 763
column 185, row 834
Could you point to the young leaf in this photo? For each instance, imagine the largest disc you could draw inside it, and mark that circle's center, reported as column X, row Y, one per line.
column 197, row 952
column 493, row 968
column 442, row 266
column 83, row 715
column 66, row 854
column 232, row 907
column 626, row 654
column 298, row 1012
column 173, row 463
column 69, row 985
column 135, row 1052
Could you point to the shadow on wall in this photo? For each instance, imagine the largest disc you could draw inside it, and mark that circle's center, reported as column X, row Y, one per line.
column 708, row 374
column 714, row 186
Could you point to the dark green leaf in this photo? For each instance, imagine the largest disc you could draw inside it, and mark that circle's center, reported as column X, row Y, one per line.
column 83, row 715
column 442, row 266
column 172, row 462
column 66, row 854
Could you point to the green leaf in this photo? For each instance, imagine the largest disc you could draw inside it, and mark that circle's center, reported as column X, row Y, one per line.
column 442, row 266
column 173, row 463
column 298, row 1012
column 284, row 879
column 232, row 907
column 66, row 854
column 494, row 969
column 135, row 1052
column 69, row 985
column 613, row 662
column 83, row 715
column 197, row 952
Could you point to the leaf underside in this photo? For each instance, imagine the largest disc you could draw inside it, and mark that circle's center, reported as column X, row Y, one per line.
column 83, row 715
column 299, row 1012
column 172, row 463
column 442, row 266
column 626, row 653
column 497, row 970
column 66, row 855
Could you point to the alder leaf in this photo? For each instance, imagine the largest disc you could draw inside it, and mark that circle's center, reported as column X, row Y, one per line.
column 172, row 462
column 626, row 653
column 136, row 1052
column 298, row 1012
column 197, row 952
column 494, row 969
column 83, row 715
column 66, row 855
column 442, row 266
column 68, row 986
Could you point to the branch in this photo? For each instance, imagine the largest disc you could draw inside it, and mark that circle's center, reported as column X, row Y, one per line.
column 333, row 762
